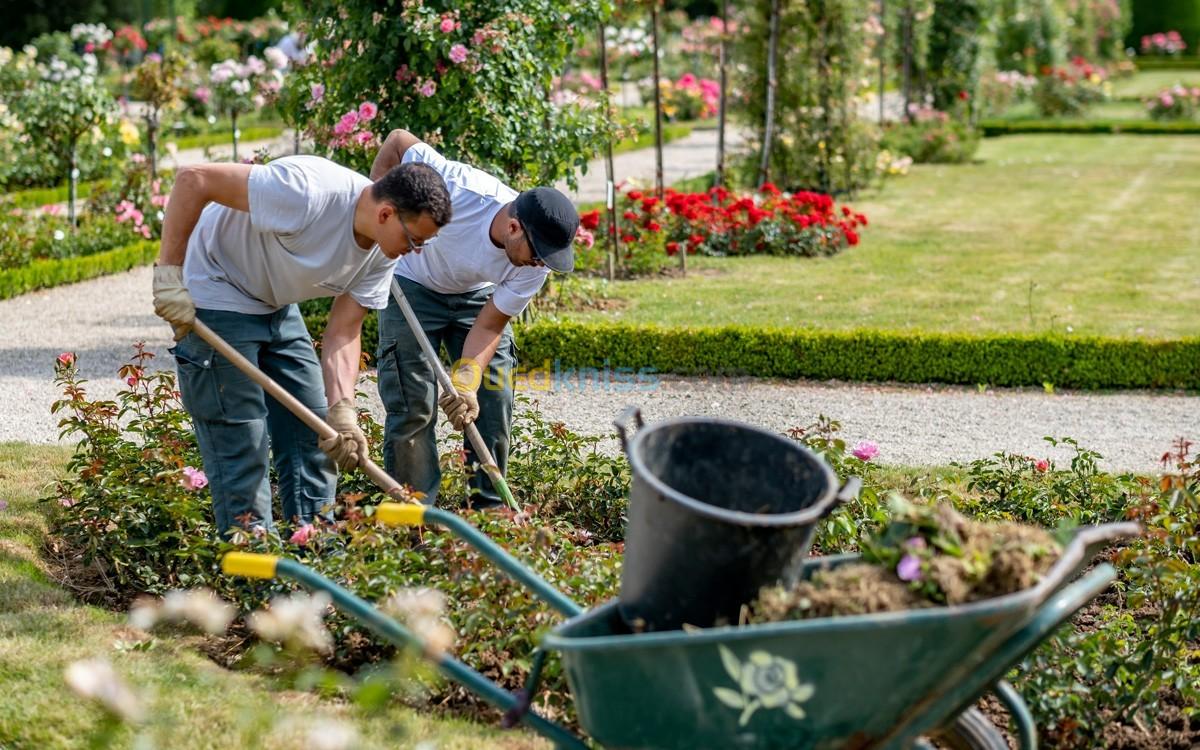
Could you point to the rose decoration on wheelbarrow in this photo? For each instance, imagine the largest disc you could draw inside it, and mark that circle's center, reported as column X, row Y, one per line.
column 764, row 681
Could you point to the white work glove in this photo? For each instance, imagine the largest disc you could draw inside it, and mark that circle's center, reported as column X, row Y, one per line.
column 462, row 405
column 172, row 302
column 349, row 447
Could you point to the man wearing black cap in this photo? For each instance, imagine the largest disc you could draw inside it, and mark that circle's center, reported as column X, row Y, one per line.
column 465, row 285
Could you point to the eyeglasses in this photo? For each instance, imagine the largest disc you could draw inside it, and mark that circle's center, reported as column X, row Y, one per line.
column 412, row 246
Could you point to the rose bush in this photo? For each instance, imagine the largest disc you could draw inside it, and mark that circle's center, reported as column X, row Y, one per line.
column 721, row 223
column 474, row 81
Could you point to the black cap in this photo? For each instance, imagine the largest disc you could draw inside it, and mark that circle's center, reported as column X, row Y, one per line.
column 550, row 220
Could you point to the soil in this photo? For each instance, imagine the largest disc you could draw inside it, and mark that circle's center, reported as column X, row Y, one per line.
column 997, row 559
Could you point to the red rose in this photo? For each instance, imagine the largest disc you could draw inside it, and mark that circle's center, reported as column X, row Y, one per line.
column 590, row 220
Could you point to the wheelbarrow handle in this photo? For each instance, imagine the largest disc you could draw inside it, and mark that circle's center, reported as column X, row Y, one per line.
column 254, row 565
column 410, row 514
column 377, row 475
column 849, row 491
column 629, row 415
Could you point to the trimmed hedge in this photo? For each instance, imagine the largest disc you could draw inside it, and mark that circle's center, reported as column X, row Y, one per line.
column 224, row 138
column 1168, row 63
column 994, row 128
column 43, row 274
column 38, row 197
column 864, row 355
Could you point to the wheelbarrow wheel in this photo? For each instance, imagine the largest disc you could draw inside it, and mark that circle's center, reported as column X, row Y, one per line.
column 972, row 731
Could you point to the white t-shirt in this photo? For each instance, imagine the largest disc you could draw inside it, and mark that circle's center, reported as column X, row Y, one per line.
column 462, row 258
column 296, row 242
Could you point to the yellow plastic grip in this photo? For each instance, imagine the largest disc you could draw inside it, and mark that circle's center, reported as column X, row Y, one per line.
column 249, row 564
column 401, row 514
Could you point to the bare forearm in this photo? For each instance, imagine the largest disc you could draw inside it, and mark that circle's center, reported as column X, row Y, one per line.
column 341, row 348
column 481, row 344
column 340, row 357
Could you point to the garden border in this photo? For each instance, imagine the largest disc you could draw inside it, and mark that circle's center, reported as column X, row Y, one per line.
column 1184, row 63
column 995, row 128
column 44, row 274
column 868, row 355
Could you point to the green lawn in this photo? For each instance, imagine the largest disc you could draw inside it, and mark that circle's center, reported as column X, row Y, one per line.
column 192, row 702
column 1150, row 82
column 1096, row 233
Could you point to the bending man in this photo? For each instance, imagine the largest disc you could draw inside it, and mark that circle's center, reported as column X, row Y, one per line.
column 482, row 269
column 241, row 246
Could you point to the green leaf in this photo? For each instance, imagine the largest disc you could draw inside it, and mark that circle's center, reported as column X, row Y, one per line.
column 731, row 698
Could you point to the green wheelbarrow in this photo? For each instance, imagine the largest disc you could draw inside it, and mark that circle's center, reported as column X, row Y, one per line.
column 886, row 681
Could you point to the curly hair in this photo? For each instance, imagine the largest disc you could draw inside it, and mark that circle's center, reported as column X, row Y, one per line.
column 415, row 189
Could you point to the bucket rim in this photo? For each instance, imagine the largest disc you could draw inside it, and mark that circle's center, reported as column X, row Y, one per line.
column 815, row 511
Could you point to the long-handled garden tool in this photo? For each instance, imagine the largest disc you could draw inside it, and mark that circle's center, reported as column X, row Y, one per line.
column 377, row 475
column 444, row 381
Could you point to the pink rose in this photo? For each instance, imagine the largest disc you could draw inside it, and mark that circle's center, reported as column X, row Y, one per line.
column 317, row 91
column 1041, row 465
column 458, row 54
column 403, row 74
column 428, row 88
column 448, row 24
column 865, row 450
column 302, row 534
column 477, row 38
column 66, row 359
column 194, row 479
column 363, row 137
column 342, row 128
column 367, row 111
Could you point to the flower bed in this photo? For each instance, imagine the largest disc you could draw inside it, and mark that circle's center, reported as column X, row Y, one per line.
column 721, row 223
column 133, row 516
column 1070, row 90
column 1176, row 103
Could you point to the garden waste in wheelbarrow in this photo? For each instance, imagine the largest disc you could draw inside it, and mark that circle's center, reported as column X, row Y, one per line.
column 868, row 681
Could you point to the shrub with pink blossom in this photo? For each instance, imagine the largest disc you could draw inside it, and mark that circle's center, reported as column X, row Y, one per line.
column 1178, row 102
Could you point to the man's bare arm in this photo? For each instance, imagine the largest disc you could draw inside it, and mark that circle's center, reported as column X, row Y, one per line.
column 195, row 187
column 391, row 153
column 341, row 348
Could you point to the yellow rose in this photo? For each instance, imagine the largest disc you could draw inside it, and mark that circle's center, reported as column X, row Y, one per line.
column 129, row 133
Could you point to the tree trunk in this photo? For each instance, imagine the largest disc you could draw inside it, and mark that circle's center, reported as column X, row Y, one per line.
column 882, row 60
column 723, row 65
column 764, row 169
column 233, row 118
column 906, row 39
column 610, row 205
column 152, row 142
column 658, row 144
column 72, row 181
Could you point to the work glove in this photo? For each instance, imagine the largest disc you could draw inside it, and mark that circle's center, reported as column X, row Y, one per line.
column 349, row 447
column 462, row 405
column 172, row 302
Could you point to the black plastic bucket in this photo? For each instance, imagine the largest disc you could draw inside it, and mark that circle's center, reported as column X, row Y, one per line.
column 717, row 510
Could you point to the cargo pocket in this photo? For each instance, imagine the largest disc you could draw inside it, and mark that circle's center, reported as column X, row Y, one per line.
column 198, row 379
column 391, row 380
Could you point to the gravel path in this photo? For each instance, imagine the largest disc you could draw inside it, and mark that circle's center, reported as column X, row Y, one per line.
column 914, row 425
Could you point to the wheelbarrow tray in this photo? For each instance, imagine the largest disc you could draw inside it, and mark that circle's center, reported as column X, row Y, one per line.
column 878, row 680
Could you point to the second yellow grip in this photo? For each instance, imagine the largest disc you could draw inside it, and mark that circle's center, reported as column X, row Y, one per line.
column 401, row 514
column 249, row 564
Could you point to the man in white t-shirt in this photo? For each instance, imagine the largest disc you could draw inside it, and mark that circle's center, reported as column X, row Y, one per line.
column 466, row 284
column 241, row 245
